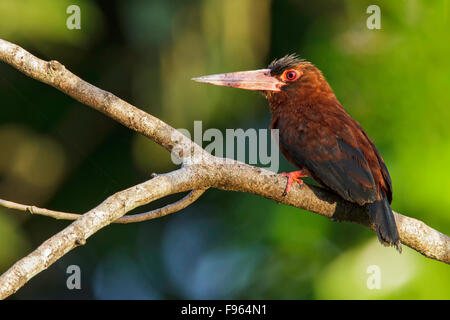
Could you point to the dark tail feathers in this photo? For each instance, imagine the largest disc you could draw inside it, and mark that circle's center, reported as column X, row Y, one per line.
column 381, row 214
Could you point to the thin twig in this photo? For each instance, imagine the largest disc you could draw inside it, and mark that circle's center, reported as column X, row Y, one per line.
column 139, row 217
column 164, row 211
column 40, row 211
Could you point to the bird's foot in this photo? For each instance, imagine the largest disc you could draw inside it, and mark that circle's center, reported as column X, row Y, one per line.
column 294, row 175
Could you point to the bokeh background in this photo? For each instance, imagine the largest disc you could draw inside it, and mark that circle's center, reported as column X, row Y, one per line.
column 59, row 154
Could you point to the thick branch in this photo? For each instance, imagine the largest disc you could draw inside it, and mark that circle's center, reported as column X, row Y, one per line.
column 200, row 171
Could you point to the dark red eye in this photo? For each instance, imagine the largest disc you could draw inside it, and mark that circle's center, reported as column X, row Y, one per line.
column 291, row 75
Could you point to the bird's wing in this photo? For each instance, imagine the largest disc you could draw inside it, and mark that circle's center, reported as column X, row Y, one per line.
column 331, row 158
column 384, row 171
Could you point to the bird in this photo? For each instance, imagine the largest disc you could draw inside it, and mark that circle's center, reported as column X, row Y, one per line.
column 319, row 137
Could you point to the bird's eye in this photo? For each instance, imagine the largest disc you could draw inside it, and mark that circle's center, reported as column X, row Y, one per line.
column 291, row 75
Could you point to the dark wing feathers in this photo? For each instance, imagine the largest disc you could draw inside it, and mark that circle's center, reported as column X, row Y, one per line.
column 332, row 161
column 384, row 170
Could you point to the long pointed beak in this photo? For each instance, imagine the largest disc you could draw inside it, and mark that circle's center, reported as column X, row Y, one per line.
column 249, row 80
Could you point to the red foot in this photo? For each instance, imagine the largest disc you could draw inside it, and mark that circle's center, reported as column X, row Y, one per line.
column 294, row 175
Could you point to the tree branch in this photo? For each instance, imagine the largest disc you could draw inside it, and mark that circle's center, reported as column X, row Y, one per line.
column 200, row 171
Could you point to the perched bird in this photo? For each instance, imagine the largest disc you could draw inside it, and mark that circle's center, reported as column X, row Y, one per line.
column 318, row 136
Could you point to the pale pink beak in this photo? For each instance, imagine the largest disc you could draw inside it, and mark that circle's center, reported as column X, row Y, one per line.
column 249, row 80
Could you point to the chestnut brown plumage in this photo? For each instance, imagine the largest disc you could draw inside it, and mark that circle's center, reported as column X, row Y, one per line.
column 319, row 136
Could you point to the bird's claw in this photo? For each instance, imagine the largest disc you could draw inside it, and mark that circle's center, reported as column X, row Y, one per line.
column 295, row 175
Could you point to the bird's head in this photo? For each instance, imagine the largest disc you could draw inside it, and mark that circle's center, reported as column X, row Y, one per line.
column 285, row 78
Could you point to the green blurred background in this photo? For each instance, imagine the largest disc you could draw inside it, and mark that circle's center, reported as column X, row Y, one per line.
column 59, row 154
